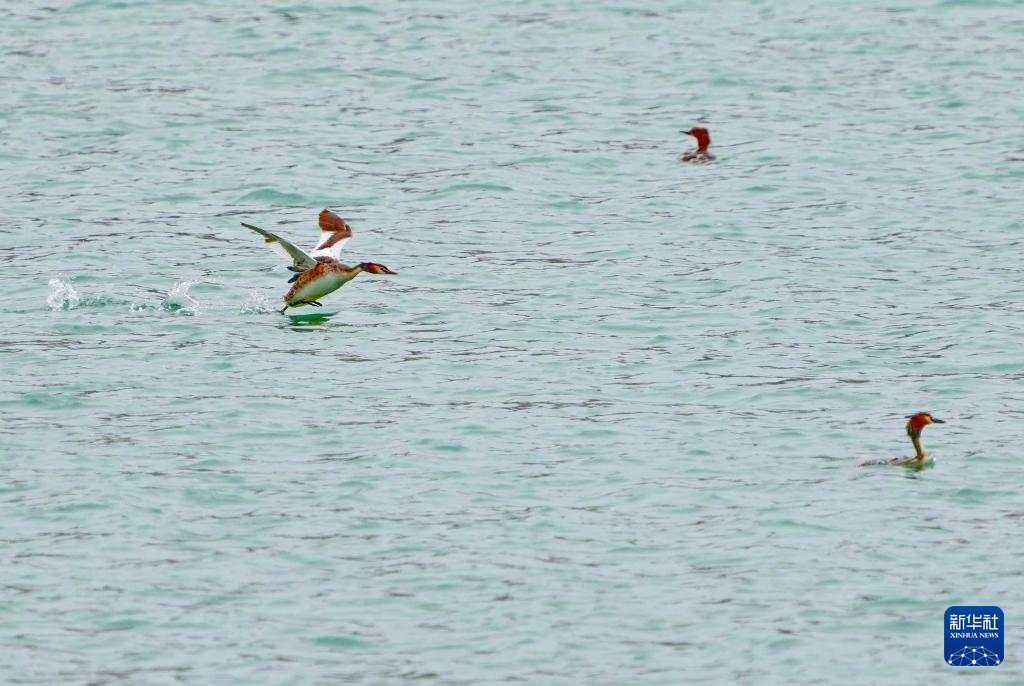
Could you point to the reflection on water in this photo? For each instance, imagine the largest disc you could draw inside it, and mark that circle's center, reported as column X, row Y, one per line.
column 312, row 319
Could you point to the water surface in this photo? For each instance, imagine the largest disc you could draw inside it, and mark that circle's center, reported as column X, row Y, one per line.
column 604, row 425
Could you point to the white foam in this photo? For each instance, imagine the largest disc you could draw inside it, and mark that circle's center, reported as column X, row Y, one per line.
column 63, row 295
column 258, row 303
column 179, row 299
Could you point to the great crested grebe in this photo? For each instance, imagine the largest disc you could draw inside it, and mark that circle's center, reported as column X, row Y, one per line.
column 320, row 271
column 915, row 425
column 701, row 154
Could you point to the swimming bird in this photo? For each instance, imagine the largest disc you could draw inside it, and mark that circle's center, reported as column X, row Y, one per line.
column 701, row 154
column 320, row 271
column 915, row 425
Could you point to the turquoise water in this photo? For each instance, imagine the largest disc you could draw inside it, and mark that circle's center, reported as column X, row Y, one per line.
column 603, row 427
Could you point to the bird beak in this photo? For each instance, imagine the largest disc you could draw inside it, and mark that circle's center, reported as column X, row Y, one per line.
column 938, row 421
column 385, row 270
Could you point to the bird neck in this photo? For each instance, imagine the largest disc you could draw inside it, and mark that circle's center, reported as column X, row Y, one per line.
column 916, row 440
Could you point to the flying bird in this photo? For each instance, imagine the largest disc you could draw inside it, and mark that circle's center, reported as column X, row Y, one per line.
column 320, row 271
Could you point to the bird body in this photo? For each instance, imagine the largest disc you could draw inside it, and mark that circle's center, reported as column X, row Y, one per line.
column 319, row 272
column 325, row 278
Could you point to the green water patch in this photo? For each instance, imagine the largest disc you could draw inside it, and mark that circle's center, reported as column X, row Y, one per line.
column 207, row 465
column 441, row 446
column 50, row 401
column 342, row 642
column 213, row 497
column 174, row 198
column 299, row 321
column 101, row 302
column 122, row 625
column 81, row 507
column 16, row 487
column 395, row 73
column 269, row 196
column 177, row 308
column 77, row 329
column 462, row 187
column 975, row 496
column 566, row 205
column 794, row 524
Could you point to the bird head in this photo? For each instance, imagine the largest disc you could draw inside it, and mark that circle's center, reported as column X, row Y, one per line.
column 917, row 422
column 702, row 136
column 374, row 268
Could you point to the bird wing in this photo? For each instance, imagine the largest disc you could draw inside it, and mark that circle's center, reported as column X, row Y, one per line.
column 334, row 233
column 300, row 260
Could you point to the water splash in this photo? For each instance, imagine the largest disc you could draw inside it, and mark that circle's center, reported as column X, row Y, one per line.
column 179, row 299
column 63, row 295
column 258, row 303
column 140, row 307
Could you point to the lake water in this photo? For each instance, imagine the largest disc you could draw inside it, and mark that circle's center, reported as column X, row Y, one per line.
column 603, row 427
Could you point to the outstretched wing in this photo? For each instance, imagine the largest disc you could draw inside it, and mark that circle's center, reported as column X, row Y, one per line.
column 300, row 260
column 334, row 233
